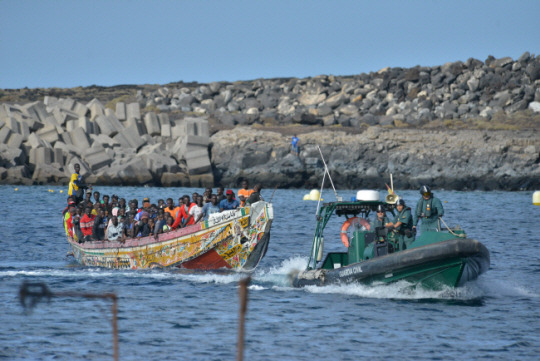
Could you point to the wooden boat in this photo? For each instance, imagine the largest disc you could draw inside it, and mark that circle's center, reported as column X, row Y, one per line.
column 235, row 239
column 434, row 260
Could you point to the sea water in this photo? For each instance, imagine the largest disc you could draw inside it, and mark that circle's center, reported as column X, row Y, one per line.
column 180, row 315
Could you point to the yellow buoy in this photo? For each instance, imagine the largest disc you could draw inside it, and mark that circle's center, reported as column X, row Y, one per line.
column 536, row 198
column 61, row 191
column 306, row 197
column 16, row 189
column 314, row 195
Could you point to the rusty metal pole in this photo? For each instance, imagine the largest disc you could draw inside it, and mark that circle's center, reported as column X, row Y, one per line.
column 115, row 325
column 243, row 294
column 34, row 292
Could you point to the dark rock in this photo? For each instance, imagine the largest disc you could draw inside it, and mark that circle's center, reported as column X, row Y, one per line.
column 533, row 69
column 524, row 58
column 412, row 74
column 369, row 119
column 490, row 59
column 502, row 62
column 269, row 101
column 472, row 63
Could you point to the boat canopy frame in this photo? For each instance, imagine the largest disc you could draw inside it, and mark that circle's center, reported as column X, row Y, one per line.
column 348, row 209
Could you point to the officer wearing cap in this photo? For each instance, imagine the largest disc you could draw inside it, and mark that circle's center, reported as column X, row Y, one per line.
column 428, row 209
column 403, row 224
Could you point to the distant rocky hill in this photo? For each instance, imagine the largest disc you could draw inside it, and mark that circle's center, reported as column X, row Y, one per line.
column 462, row 125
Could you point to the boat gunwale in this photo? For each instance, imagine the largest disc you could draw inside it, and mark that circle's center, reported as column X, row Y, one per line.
column 460, row 248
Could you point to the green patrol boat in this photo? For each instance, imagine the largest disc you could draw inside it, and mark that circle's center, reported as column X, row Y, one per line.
column 434, row 260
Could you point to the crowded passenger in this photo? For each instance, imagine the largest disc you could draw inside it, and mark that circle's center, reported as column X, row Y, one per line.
column 244, row 193
column 98, row 217
column 255, row 195
column 229, row 202
column 100, row 221
column 210, row 208
column 96, row 197
column 87, row 224
column 207, row 195
column 115, row 231
column 171, row 209
column 183, row 217
column 219, row 193
column 77, row 185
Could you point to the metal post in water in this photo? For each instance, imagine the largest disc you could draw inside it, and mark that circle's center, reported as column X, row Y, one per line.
column 243, row 294
column 31, row 293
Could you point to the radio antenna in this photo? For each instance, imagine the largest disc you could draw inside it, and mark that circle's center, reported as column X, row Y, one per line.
column 328, row 172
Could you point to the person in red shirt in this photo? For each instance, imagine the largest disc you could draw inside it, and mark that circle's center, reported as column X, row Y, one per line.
column 87, row 223
column 69, row 219
column 183, row 218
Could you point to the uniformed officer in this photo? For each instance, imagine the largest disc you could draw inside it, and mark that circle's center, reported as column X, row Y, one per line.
column 428, row 209
column 403, row 224
column 381, row 219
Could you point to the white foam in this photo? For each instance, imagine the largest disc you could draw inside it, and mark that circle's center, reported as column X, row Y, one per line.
column 398, row 290
column 281, row 275
column 257, row 288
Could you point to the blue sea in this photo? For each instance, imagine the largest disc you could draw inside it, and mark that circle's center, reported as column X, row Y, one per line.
column 179, row 315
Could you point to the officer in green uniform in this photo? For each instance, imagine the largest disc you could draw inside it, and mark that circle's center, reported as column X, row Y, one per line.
column 428, row 209
column 381, row 219
column 403, row 224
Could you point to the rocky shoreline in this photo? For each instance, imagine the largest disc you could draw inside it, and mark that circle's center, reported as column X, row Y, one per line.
column 462, row 125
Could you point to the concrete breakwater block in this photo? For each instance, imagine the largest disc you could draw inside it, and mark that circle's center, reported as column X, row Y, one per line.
column 201, row 180
column 130, row 138
column 15, row 140
column 5, row 132
column 166, row 131
column 196, row 126
column 96, row 108
column 49, row 173
column 79, row 138
column 113, row 119
column 105, row 126
column 198, row 165
column 49, row 133
column 11, row 157
column 133, row 111
column 41, row 156
column 121, row 111
column 96, row 158
column 152, row 124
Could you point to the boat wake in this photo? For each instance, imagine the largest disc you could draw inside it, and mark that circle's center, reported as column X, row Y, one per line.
column 278, row 278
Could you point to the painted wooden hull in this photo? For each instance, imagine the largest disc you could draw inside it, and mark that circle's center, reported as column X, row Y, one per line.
column 236, row 239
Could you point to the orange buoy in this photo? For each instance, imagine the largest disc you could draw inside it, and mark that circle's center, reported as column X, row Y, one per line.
column 347, row 224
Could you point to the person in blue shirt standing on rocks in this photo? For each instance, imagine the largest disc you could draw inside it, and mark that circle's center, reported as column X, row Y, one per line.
column 428, row 209
column 294, row 145
column 229, row 202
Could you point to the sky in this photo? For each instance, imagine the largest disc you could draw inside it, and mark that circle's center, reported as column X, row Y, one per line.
column 59, row 43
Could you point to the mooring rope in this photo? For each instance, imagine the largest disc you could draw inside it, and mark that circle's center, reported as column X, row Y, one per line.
column 449, row 230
